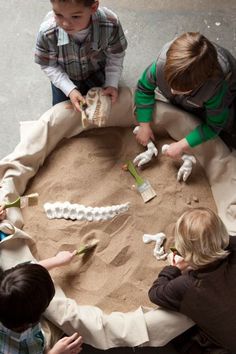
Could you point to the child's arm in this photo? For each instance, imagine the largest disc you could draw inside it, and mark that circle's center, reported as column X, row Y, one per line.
column 217, row 115
column 170, row 287
column 115, row 53
column 67, row 345
column 61, row 80
column 113, row 70
column 176, row 150
column 2, row 212
column 144, row 102
column 62, row 258
column 145, row 134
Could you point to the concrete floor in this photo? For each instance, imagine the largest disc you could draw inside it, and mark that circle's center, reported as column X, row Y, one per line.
column 25, row 91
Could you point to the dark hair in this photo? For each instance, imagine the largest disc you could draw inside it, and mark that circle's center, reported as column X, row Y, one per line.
column 86, row 3
column 25, row 292
column 190, row 61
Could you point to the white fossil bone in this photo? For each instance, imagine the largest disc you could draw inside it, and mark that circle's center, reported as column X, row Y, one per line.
column 187, row 166
column 98, row 108
column 159, row 238
column 164, row 148
column 67, row 210
column 147, row 155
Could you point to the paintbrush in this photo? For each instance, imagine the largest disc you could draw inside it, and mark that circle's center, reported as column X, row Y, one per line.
column 175, row 251
column 22, row 202
column 144, row 187
column 87, row 247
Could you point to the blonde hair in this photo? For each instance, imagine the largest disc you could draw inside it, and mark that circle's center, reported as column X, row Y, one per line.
column 201, row 237
column 190, row 61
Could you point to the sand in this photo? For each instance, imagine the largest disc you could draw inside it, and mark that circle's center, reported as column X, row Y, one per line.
column 87, row 170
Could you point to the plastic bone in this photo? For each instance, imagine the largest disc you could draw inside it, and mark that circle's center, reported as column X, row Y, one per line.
column 147, row 155
column 187, row 166
column 159, row 238
column 98, row 108
column 67, row 210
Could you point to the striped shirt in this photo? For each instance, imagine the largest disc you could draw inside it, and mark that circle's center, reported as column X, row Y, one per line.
column 31, row 341
column 210, row 102
column 79, row 60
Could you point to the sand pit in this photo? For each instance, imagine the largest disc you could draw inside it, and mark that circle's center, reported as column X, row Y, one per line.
column 87, row 170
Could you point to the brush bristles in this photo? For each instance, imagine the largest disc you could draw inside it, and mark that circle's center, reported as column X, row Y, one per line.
column 32, row 199
column 148, row 195
column 147, row 192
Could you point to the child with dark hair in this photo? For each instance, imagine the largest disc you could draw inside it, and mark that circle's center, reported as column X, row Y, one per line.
column 197, row 76
column 201, row 283
column 25, row 292
column 81, row 45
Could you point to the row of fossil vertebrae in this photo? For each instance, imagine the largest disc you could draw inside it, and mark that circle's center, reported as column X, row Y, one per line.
column 67, row 210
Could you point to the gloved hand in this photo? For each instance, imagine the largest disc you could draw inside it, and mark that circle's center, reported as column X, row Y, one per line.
column 147, row 155
column 186, row 168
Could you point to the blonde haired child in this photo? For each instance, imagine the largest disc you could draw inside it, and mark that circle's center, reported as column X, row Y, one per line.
column 201, row 237
column 202, row 283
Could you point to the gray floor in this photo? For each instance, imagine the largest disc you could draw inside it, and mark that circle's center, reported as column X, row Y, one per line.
column 25, row 91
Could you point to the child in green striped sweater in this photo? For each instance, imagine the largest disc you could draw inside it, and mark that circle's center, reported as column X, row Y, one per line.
column 197, row 76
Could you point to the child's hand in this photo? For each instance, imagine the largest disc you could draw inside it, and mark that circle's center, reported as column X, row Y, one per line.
column 2, row 213
column 68, row 345
column 76, row 98
column 111, row 91
column 144, row 134
column 64, row 257
column 176, row 150
column 177, row 261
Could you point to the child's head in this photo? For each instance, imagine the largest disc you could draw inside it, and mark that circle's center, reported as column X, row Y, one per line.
column 201, row 237
column 74, row 15
column 190, row 61
column 25, row 292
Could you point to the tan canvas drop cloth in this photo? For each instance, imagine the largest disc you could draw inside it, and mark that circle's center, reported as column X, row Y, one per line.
column 151, row 327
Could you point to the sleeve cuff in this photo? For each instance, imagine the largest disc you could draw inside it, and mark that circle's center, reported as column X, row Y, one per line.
column 144, row 115
column 112, row 80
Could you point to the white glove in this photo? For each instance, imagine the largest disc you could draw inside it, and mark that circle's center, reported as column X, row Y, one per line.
column 147, row 155
column 187, row 166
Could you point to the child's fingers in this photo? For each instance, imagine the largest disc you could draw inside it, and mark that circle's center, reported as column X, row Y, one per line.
column 74, row 253
column 77, row 106
column 72, row 338
column 3, row 214
column 76, row 344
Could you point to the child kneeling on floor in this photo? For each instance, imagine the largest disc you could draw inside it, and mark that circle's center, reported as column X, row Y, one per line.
column 201, row 283
column 197, row 76
column 25, row 292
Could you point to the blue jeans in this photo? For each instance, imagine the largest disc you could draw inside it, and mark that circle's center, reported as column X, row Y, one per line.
column 95, row 80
